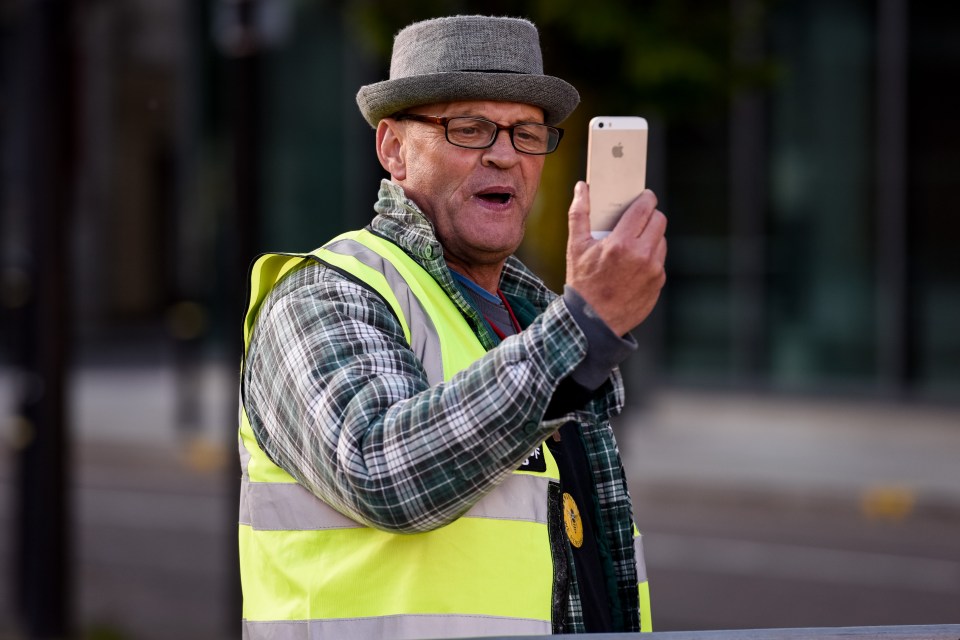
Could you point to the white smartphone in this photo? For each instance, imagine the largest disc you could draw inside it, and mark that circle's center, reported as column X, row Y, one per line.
column 616, row 168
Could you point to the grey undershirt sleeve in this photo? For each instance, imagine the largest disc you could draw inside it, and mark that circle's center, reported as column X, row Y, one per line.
column 605, row 349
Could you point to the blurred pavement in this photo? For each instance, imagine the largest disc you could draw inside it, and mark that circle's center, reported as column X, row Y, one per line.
column 885, row 459
column 152, row 500
column 780, row 511
column 722, row 442
column 826, row 448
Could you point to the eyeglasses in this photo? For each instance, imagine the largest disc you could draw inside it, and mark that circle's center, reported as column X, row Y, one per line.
column 480, row 133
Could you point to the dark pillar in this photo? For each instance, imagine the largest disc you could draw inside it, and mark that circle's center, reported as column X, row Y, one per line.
column 895, row 326
column 44, row 189
column 748, row 159
column 241, row 43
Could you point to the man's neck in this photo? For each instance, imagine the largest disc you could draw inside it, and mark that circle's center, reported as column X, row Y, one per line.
column 486, row 276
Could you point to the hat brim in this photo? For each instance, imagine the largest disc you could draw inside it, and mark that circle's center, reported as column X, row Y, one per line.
column 556, row 97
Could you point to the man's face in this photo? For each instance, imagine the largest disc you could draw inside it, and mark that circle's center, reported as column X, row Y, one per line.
column 477, row 199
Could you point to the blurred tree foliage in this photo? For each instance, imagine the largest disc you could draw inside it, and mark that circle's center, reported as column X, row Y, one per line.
column 674, row 58
column 673, row 61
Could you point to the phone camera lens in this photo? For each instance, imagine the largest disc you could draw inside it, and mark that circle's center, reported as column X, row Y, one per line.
column 601, row 125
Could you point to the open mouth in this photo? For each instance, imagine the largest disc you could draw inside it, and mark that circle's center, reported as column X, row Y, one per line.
column 496, row 197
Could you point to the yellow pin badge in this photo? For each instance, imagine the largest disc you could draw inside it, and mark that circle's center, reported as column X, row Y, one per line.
column 571, row 518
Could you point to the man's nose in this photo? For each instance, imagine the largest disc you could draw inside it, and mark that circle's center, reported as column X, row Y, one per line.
column 502, row 150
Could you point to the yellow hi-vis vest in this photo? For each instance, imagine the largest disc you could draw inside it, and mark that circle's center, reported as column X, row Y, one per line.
column 308, row 572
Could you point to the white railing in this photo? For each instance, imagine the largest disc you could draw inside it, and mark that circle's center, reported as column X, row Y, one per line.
column 908, row 632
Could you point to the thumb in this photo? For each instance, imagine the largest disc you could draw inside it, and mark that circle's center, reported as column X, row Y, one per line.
column 578, row 219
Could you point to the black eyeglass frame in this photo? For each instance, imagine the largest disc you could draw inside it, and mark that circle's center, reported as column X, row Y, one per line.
column 444, row 121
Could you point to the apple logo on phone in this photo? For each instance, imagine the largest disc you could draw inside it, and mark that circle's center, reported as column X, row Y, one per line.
column 618, row 150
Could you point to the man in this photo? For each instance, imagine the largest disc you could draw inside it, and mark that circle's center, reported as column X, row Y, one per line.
column 425, row 432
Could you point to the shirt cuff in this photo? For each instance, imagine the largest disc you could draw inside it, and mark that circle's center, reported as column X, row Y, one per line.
column 605, row 349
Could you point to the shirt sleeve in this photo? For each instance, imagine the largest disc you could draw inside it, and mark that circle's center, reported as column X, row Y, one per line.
column 339, row 401
column 605, row 350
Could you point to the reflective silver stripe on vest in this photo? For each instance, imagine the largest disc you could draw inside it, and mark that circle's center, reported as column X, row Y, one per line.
column 244, row 454
column 640, row 561
column 395, row 628
column 276, row 506
column 424, row 339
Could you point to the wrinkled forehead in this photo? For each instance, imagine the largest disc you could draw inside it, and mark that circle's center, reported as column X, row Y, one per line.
column 490, row 109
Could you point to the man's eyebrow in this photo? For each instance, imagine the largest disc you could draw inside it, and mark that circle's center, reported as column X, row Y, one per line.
column 533, row 120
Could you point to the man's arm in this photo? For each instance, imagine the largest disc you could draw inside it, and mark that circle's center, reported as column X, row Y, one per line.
column 621, row 275
column 612, row 286
column 605, row 351
column 340, row 402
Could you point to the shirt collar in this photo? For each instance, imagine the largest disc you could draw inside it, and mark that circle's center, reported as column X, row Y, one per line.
column 400, row 219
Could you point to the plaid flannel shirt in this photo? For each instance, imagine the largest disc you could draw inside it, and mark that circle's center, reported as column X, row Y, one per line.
column 338, row 400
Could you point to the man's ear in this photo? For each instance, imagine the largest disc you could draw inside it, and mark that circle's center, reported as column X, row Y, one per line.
column 390, row 148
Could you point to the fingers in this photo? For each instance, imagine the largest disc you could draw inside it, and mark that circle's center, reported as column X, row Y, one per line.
column 635, row 219
column 579, row 213
column 655, row 230
column 660, row 250
column 640, row 221
column 621, row 275
column 660, row 253
column 653, row 243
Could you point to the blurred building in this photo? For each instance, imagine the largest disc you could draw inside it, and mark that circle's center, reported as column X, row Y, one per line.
column 811, row 227
column 812, row 218
column 158, row 87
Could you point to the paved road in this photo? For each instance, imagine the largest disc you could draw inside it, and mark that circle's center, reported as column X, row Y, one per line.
column 152, row 530
column 723, row 565
column 149, row 548
column 763, row 512
column 757, row 514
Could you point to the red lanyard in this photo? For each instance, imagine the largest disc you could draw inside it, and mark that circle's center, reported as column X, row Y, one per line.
column 513, row 318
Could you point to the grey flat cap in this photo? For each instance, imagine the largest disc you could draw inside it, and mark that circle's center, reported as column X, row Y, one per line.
column 467, row 58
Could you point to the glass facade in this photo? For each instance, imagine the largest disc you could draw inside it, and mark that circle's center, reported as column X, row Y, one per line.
column 811, row 218
column 822, row 258
column 822, row 310
column 806, row 152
